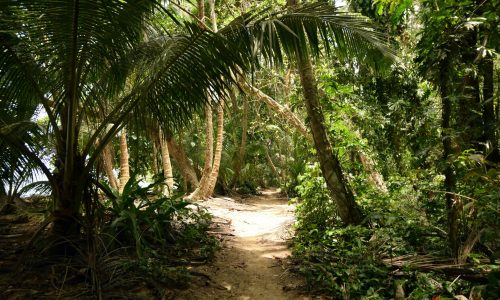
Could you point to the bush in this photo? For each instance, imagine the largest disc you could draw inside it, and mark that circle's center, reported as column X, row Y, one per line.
column 154, row 223
column 347, row 262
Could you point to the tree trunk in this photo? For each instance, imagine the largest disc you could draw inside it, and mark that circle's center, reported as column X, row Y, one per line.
column 341, row 193
column 201, row 12
column 468, row 245
column 270, row 162
column 107, row 157
column 167, row 166
column 209, row 171
column 124, row 157
column 348, row 210
column 218, row 152
column 155, row 164
column 374, row 177
column 209, row 152
column 273, row 105
column 287, row 82
column 67, row 201
column 183, row 163
column 212, row 179
column 213, row 17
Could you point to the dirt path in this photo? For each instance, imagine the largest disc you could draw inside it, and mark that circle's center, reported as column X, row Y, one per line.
column 249, row 264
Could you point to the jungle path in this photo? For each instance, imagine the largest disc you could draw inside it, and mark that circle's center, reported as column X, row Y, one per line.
column 249, row 265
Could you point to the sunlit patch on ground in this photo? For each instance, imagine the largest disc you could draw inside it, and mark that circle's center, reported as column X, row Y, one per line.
column 250, row 264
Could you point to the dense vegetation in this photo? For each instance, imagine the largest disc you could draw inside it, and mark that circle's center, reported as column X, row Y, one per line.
column 379, row 120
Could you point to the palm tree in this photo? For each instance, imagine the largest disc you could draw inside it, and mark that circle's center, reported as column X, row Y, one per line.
column 107, row 158
column 351, row 38
column 184, row 165
column 212, row 157
column 209, row 137
column 124, row 158
column 167, row 166
column 17, row 170
column 74, row 57
column 212, row 179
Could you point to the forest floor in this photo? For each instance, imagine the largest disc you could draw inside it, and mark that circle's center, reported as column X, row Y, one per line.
column 251, row 264
column 253, row 259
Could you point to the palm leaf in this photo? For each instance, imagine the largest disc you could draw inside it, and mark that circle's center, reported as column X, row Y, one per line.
column 20, row 158
column 309, row 29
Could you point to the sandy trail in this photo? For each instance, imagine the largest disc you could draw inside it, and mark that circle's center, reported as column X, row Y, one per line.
column 249, row 264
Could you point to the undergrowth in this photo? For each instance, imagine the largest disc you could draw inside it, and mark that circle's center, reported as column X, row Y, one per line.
column 355, row 262
column 143, row 246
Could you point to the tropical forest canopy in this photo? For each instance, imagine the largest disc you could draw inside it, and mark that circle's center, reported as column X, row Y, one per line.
column 378, row 119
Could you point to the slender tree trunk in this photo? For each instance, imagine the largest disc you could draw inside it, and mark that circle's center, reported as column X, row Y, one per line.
column 209, row 139
column 209, row 151
column 468, row 245
column 374, row 177
column 167, row 166
column 240, row 156
column 348, row 210
column 213, row 17
column 211, row 167
column 124, row 158
column 287, row 82
column 208, row 190
column 218, row 152
column 341, row 193
column 107, row 157
column 183, row 163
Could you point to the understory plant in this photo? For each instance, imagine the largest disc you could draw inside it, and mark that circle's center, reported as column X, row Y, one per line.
column 333, row 259
column 355, row 262
column 150, row 223
column 142, row 240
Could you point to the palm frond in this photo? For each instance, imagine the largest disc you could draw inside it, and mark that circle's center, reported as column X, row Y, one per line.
column 20, row 142
column 37, row 187
column 310, row 29
column 188, row 70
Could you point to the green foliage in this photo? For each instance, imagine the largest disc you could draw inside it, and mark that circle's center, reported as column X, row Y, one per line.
column 450, row 27
column 159, row 272
column 147, row 222
column 391, row 14
column 347, row 262
column 338, row 261
column 335, row 260
column 479, row 180
column 190, row 238
column 315, row 209
column 247, row 188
